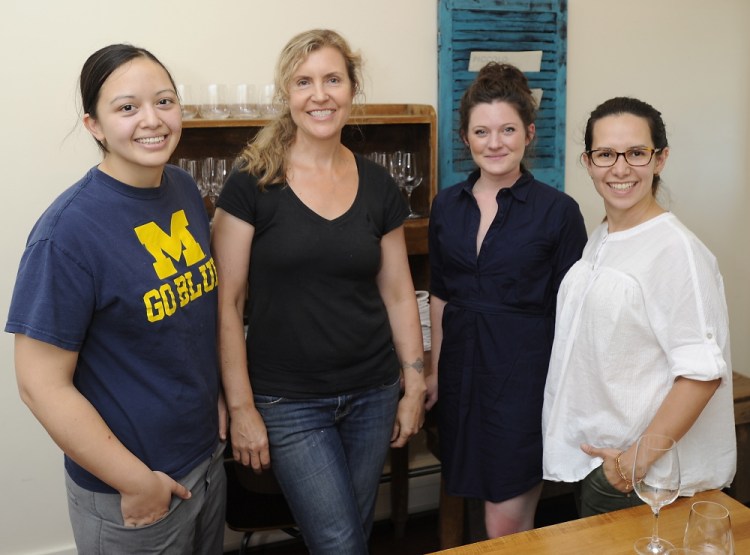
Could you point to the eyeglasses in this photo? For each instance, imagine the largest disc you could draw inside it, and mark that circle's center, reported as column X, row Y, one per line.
column 606, row 157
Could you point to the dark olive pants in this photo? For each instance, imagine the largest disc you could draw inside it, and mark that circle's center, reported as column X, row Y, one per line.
column 595, row 495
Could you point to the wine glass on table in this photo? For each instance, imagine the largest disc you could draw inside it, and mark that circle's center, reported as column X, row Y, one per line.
column 411, row 180
column 656, row 480
column 709, row 529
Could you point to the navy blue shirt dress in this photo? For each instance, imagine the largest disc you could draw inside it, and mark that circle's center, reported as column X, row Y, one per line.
column 498, row 326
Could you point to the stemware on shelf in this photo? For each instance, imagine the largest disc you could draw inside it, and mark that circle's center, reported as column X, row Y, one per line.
column 656, row 480
column 396, row 166
column 213, row 174
column 207, row 177
column 379, row 158
column 190, row 166
column 411, row 179
column 209, row 174
column 709, row 529
column 220, row 175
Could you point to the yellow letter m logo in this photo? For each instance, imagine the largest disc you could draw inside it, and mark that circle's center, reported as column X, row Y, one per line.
column 180, row 242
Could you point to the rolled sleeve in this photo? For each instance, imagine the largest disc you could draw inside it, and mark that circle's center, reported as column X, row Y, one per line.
column 702, row 362
column 688, row 312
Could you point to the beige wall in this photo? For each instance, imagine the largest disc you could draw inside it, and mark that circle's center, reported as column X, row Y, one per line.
column 695, row 70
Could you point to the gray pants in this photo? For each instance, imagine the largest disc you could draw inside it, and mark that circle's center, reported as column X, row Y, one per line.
column 193, row 526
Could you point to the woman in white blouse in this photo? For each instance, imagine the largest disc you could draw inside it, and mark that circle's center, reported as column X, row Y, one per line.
column 642, row 340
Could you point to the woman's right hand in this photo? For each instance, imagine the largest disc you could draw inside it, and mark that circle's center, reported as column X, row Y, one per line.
column 249, row 439
column 609, row 465
column 151, row 501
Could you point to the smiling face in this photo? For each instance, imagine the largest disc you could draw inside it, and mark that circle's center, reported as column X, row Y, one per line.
column 497, row 139
column 320, row 95
column 138, row 120
column 625, row 189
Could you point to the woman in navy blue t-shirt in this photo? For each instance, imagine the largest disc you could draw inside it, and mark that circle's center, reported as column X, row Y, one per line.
column 114, row 311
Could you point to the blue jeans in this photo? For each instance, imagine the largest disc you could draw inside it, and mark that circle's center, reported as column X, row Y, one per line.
column 328, row 456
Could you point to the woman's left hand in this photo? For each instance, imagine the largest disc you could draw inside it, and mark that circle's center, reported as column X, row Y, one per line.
column 409, row 419
column 609, row 465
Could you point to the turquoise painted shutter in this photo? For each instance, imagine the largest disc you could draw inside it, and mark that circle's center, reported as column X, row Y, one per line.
column 467, row 26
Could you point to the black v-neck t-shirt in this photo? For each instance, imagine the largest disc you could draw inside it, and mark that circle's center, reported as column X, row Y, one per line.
column 317, row 323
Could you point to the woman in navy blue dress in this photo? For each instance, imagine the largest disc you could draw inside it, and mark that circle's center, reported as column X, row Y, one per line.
column 500, row 244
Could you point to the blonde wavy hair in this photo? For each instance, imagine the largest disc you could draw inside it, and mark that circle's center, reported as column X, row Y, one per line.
column 265, row 156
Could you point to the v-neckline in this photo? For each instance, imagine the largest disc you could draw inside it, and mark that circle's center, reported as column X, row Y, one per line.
column 345, row 213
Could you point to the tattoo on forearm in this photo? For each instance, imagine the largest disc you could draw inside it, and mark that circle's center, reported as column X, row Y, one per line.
column 417, row 365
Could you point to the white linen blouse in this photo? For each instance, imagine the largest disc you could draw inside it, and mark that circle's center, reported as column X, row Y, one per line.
column 642, row 307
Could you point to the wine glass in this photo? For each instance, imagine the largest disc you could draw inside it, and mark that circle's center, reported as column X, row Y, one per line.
column 379, row 158
column 709, row 529
column 396, row 167
column 411, row 179
column 656, row 480
column 190, row 166
column 207, row 183
column 220, row 174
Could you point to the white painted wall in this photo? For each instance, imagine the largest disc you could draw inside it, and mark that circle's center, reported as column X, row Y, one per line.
column 696, row 70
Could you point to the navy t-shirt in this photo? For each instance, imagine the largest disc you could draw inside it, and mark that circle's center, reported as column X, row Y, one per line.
column 317, row 323
column 124, row 276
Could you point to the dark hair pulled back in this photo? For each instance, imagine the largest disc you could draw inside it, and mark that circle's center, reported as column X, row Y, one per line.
column 100, row 65
column 627, row 105
column 498, row 83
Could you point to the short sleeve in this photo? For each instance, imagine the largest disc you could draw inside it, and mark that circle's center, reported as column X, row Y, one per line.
column 395, row 206
column 54, row 297
column 383, row 197
column 687, row 309
column 572, row 239
column 437, row 286
column 238, row 196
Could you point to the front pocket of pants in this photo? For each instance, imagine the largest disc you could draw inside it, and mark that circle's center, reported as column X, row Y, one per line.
column 389, row 385
column 266, row 400
column 601, row 485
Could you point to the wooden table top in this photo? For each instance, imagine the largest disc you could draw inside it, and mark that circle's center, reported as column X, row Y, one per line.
column 613, row 533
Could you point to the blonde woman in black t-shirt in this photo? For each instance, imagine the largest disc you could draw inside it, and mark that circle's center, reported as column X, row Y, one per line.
column 331, row 372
